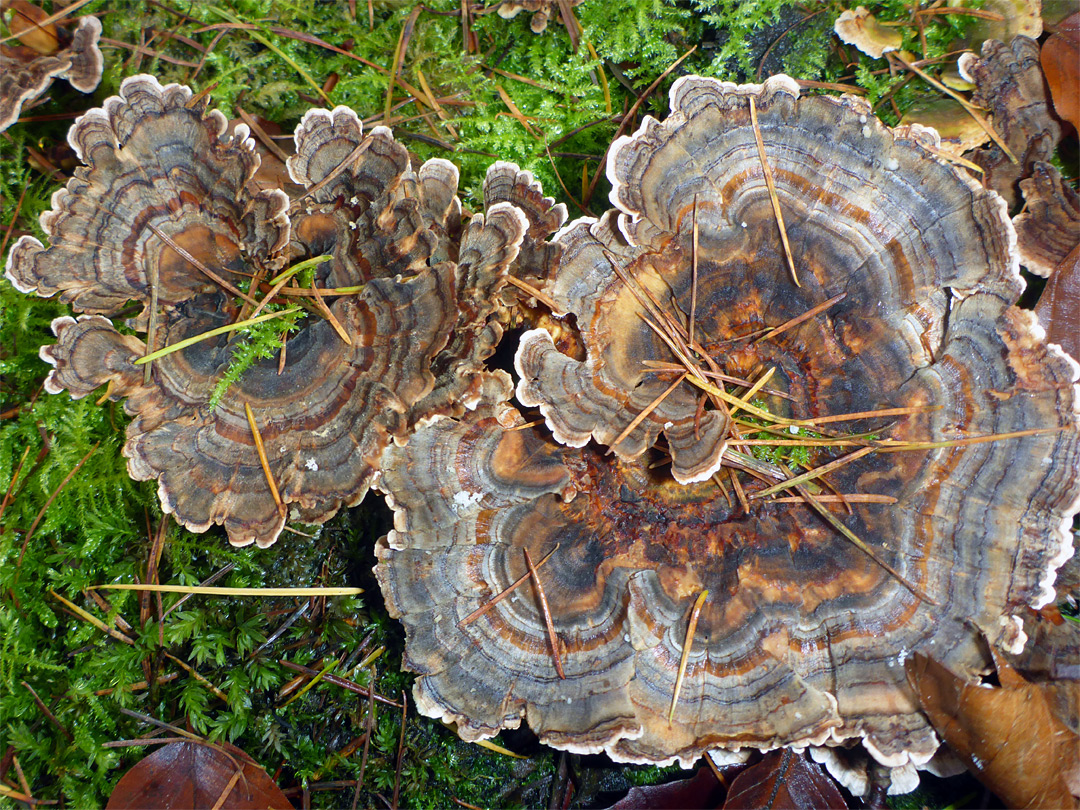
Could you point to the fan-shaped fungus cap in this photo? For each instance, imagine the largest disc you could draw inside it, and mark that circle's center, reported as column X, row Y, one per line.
column 861, row 29
column 1009, row 82
column 163, row 181
column 802, row 636
column 55, row 52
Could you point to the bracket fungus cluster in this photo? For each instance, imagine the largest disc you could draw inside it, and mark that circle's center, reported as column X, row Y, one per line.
column 611, row 578
column 44, row 51
column 165, row 215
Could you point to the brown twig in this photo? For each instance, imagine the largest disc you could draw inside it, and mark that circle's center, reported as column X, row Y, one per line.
column 45, row 710
column 48, row 503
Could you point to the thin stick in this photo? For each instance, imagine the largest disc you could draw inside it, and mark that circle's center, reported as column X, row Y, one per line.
column 221, row 330
column 337, row 680
column 217, row 591
column 202, row 268
column 151, row 327
column 771, row 183
column 817, row 472
column 740, row 493
column 637, row 420
column 11, row 486
column 484, row 608
column 552, row 637
column 810, row 313
column 688, row 642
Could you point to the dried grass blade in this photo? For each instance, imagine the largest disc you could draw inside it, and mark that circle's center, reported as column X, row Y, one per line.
column 484, row 608
column 817, row 472
column 190, row 670
column 221, row 330
column 771, row 183
column 214, row 590
column 399, row 53
column 688, row 642
column 553, row 638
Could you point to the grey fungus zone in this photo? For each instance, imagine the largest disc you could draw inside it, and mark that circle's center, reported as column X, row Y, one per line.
column 163, row 180
column 803, row 637
column 42, row 54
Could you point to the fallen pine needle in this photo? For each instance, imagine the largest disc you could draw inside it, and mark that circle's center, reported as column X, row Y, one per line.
column 202, row 268
column 688, row 642
column 484, row 608
column 552, row 637
column 498, row 749
column 214, row 590
column 322, row 673
column 643, row 415
column 261, row 451
column 184, row 665
column 771, row 183
column 221, row 330
column 539, row 295
column 89, row 617
column 837, row 524
column 817, row 472
column 289, row 272
column 810, row 313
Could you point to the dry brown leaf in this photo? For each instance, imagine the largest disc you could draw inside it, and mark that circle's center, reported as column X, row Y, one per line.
column 784, row 778
column 1008, row 737
column 195, row 775
column 1060, row 58
column 1059, row 305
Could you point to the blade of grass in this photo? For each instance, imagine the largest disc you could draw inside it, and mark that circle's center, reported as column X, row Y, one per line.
column 221, row 330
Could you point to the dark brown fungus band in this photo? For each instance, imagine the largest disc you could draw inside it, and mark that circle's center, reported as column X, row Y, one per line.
column 802, row 637
column 43, row 53
column 162, row 180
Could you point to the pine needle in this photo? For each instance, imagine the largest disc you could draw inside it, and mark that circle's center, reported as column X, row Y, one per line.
column 214, row 590
column 637, row 420
column 326, row 313
column 484, row 608
column 810, row 313
column 92, row 619
column 771, row 183
column 688, row 642
column 198, row 265
column 552, row 637
column 261, row 450
column 311, row 683
column 817, row 472
column 498, row 749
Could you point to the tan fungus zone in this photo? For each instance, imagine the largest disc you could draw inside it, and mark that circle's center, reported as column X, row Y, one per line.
column 802, row 639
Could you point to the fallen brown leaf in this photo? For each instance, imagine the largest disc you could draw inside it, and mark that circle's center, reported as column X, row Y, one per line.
column 1007, row 736
column 1060, row 58
column 197, row 776
column 786, row 779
